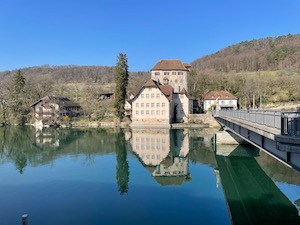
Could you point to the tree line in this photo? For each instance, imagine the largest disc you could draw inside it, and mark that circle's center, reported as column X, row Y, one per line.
column 264, row 54
column 267, row 68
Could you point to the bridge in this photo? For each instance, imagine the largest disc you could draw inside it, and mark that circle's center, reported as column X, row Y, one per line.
column 276, row 132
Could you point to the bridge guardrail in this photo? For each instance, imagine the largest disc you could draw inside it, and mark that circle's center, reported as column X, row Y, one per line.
column 287, row 122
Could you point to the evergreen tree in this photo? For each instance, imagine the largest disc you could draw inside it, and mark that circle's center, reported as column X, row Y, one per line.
column 18, row 83
column 121, row 84
column 17, row 106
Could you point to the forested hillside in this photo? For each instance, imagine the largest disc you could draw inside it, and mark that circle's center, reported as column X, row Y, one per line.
column 68, row 74
column 267, row 67
column 82, row 84
column 264, row 54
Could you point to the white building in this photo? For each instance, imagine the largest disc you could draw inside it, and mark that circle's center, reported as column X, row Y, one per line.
column 220, row 99
column 164, row 98
column 171, row 72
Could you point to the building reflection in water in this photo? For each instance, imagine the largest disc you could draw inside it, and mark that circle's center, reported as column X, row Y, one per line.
column 164, row 153
column 47, row 137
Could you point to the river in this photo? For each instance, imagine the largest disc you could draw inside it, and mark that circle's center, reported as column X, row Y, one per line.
column 140, row 176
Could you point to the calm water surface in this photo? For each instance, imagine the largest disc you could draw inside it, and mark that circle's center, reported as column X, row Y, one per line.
column 140, row 176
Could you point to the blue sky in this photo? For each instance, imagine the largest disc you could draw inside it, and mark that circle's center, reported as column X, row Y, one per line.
column 94, row 32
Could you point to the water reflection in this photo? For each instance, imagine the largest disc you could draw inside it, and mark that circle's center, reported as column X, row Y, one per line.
column 246, row 176
column 122, row 170
column 164, row 153
column 252, row 197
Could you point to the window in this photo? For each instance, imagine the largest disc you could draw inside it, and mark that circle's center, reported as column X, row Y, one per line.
column 147, row 105
column 222, row 102
column 152, row 105
column 157, row 104
column 163, row 112
column 147, row 95
column 166, row 81
column 230, row 102
column 176, row 81
column 157, row 73
column 142, row 112
column 137, row 112
column 173, row 73
column 157, row 95
column 157, row 112
column 212, row 96
column 147, row 112
column 163, row 104
column 137, row 105
column 150, row 88
column 180, row 73
column 166, row 73
column 152, row 95
column 142, row 105
column 152, row 112
column 227, row 96
column 142, row 95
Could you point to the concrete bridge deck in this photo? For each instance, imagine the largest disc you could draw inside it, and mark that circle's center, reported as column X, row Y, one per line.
column 277, row 133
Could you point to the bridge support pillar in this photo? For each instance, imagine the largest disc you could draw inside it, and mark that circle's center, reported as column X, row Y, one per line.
column 228, row 138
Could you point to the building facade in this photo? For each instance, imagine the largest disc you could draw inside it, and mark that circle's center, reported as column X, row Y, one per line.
column 51, row 109
column 153, row 104
column 163, row 99
column 219, row 100
column 171, row 72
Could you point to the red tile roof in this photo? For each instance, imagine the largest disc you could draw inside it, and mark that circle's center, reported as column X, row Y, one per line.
column 223, row 95
column 174, row 64
column 167, row 90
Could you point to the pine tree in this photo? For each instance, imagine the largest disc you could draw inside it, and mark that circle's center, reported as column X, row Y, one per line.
column 18, row 83
column 17, row 106
column 121, row 85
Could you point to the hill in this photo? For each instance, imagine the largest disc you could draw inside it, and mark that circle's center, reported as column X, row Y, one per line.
column 267, row 67
column 67, row 74
column 273, row 53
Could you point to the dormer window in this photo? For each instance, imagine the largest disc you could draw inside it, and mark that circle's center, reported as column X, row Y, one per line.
column 227, row 96
column 166, row 81
column 212, row 97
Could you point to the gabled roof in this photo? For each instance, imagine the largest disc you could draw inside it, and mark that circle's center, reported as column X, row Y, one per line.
column 62, row 101
column 150, row 83
column 174, row 64
column 167, row 90
column 221, row 95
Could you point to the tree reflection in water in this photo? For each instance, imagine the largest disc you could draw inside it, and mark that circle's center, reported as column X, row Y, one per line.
column 122, row 174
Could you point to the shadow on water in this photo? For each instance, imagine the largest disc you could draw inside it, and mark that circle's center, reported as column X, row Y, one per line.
column 252, row 196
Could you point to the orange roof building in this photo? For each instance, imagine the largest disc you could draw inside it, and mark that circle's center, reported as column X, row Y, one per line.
column 219, row 100
column 171, row 72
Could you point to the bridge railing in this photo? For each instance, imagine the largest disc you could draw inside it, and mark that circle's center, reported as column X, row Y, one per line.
column 290, row 123
column 287, row 122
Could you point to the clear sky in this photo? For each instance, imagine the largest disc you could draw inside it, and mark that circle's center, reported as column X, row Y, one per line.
column 94, row 32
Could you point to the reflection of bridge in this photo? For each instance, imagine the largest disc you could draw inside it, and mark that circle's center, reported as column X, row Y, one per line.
column 276, row 132
column 252, row 197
